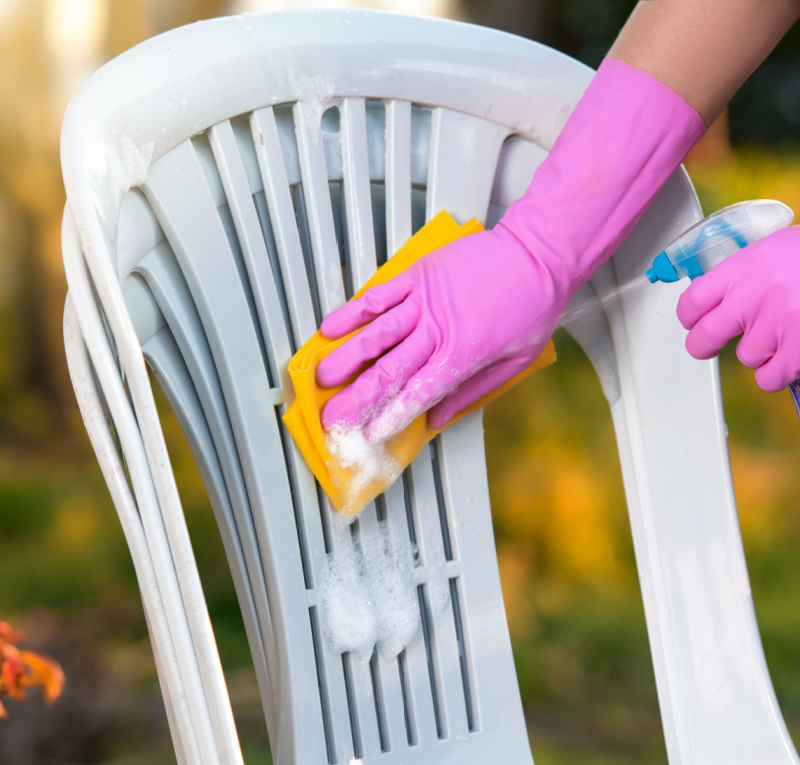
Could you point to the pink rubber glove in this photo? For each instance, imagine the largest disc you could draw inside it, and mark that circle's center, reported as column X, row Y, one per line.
column 754, row 293
column 467, row 321
column 468, row 317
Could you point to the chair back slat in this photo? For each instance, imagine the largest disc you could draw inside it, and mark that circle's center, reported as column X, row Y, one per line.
column 318, row 216
column 166, row 360
column 357, row 196
column 272, row 164
column 252, row 242
column 398, row 174
column 464, row 154
column 224, row 474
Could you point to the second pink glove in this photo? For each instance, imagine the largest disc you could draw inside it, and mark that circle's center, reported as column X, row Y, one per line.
column 754, row 293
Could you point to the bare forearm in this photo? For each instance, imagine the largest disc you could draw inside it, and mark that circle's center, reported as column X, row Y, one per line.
column 703, row 49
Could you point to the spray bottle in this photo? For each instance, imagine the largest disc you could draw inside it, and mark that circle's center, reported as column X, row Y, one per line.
column 714, row 238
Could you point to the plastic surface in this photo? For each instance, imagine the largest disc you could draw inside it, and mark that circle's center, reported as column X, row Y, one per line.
column 714, row 238
column 251, row 195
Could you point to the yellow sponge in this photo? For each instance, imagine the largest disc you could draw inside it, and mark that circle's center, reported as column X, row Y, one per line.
column 348, row 491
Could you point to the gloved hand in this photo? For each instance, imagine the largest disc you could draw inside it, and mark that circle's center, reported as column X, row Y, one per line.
column 754, row 293
column 455, row 326
column 467, row 318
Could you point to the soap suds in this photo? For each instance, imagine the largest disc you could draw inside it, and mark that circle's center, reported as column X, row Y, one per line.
column 367, row 461
column 389, row 570
column 117, row 165
column 314, row 94
column 395, row 417
column 348, row 618
column 128, row 166
column 368, row 596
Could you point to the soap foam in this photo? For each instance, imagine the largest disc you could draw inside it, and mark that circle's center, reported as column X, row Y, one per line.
column 368, row 597
column 390, row 573
column 367, row 461
column 348, row 618
column 395, row 416
column 127, row 165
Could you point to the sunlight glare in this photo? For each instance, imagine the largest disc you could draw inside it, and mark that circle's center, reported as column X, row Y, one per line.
column 7, row 7
column 440, row 8
column 74, row 29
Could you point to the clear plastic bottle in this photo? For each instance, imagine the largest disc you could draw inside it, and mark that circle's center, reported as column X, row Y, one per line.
column 712, row 239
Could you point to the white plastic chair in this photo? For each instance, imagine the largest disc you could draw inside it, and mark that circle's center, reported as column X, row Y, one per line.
column 228, row 183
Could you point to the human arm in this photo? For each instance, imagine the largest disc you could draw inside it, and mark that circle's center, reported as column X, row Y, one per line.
column 755, row 293
column 703, row 49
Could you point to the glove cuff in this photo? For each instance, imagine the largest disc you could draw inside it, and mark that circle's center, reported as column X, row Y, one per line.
column 626, row 136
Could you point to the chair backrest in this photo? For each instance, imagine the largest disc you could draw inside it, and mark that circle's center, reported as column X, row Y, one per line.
column 229, row 184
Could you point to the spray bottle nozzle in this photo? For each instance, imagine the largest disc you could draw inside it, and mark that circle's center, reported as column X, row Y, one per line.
column 716, row 237
column 662, row 270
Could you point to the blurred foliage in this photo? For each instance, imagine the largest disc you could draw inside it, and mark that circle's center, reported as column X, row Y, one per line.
column 564, row 543
column 765, row 111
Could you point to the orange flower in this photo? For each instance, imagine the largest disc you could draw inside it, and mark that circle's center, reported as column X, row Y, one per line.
column 21, row 669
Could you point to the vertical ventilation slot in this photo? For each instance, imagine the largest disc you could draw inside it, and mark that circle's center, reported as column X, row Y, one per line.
column 381, row 513
column 355, row 727
column 420, row 154
column 430, row 653
column 301, row 217
column 325, row 520
column 408, row 492
column 296, row 505
column 376, row 150
column 408, row 712
column 462, row 655
column 440, row 501
column 377, row 694
column 316, row 636
column 378, row 196
column 330, row 132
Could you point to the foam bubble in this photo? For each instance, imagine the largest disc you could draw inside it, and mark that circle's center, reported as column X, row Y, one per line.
column 394, row 417
column 367, row 461
column 390, row 575
column 348, row 619
column 368, row 596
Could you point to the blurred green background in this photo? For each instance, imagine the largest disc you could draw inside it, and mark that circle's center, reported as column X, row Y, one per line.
column 564, row 543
